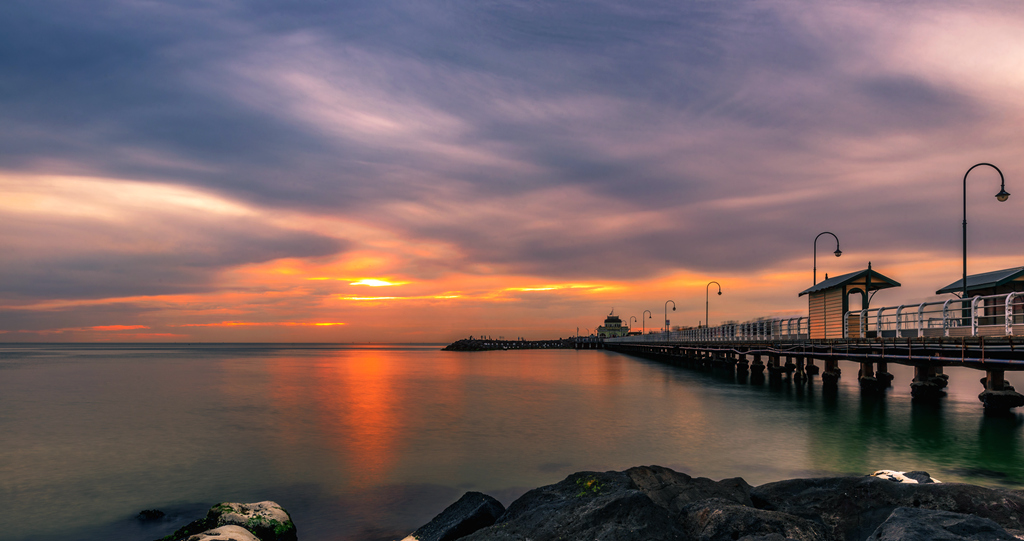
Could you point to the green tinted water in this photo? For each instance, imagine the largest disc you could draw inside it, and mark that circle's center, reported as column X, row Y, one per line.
column 363, row 443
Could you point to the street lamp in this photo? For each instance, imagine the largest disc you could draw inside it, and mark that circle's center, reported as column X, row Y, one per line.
column 631, row 320
column 707, row 322
column 1003, row 195
column 643, row 328
column 666, row 312
column 838, row 253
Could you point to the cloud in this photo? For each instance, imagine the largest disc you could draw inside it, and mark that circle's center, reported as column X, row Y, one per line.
column 68, row 237
column 196, row 148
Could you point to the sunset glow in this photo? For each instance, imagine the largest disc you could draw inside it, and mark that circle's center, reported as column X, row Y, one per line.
column 314, row 184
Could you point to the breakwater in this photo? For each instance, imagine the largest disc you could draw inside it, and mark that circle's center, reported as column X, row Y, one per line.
column 656, row 503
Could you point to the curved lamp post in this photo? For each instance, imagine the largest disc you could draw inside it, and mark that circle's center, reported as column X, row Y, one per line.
column 666, row 312
column 643, row 328
column 1003, row 195
column 838, row 253
column 707, row 288
column 631, row 320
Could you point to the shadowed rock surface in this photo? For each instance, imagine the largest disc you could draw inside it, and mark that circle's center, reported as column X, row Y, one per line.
column 473, row 511
column 852, row 508
column 908, row 524
column 586, row 505
column 722, row 520
column 656, row 503
column 673, row 490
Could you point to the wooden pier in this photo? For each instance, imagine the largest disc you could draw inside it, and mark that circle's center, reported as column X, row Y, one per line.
column 984, row 332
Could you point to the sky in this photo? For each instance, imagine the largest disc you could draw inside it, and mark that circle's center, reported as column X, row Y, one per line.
column 422, row 171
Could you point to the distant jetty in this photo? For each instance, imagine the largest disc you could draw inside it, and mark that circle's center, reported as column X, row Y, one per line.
column 487, row 344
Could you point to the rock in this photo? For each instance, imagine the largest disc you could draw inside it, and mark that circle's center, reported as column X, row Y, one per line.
column 225, row 533
column 148, row 515
column 853, row 507
column 920, row 477
column 266, row 520
column 724, row 520
column 1001, row 401
column 472, row 512
column 905, row 477
column 673, row 490
column 927, row 389
column 586, row 505
column 909, row 524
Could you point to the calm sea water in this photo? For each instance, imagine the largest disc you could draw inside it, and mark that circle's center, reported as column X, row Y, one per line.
column 369, row 442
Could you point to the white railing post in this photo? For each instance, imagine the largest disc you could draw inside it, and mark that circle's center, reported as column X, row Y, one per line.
column 1008, row 310
column 974, row 315
column 921, row 320
column 945, row 317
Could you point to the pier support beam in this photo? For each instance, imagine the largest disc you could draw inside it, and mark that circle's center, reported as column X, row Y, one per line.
column 741, row 364
column 774, row 369
column 757, row 366
column 883, row 375
column 869, row 383
column 812, row 369
column 999, row 396
column 790, row 366
column 830, row 376
column 927, row 385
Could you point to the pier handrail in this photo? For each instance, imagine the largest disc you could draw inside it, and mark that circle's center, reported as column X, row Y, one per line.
column 990, row 315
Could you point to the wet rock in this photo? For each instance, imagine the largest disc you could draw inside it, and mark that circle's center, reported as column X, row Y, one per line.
column 927, row 390
column 905, row 477
column 149, row 515
column 1001, row 401
column 673, row 490
column 586, row 505
column 851, row 508
column 225, row 533
column 267, row 520
column 921, row 477
column 724, row 520
column 909, row 524
column 470, row 513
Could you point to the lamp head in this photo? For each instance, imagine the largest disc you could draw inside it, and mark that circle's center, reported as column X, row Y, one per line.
column 673, row 308
column 719, row 292
column 838, row 252
column 1003, row 195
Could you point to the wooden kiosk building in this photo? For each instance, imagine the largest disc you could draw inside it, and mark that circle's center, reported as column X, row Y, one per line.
column 829, row 300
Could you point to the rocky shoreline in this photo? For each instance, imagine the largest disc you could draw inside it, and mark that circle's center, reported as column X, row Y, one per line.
column 655, row 503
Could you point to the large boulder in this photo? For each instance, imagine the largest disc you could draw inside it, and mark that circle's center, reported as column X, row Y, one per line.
column 586, row 505
column 911, row 524
column 470, row 513
column 724, row 520
column 673, row 490
column 851, row 508
column 267, row 521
